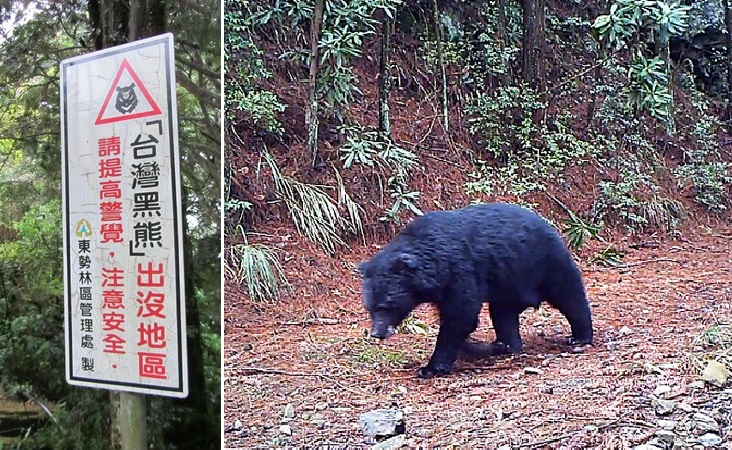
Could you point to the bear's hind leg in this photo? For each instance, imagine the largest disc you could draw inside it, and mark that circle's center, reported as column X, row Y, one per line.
column 568, row 296
column 505, row 318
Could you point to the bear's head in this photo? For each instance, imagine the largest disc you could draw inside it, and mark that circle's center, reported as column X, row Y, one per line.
column 390, row 292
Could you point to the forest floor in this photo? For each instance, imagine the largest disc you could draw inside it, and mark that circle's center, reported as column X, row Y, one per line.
column 639, row 383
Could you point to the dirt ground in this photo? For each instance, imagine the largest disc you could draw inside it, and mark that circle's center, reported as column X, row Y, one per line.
column 311, row 350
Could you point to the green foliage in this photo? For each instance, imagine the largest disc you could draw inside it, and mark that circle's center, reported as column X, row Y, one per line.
column 634, row 23
column 578, row 231
column 31, row 262
column 656, row 20
column 486, row 53
column 636, row 200
column 82, row 419
column 610, row 257
column 711, row 180
column 377, row 357
column 257, row 266
column 532, row 154
column 373, row 150
column 410, row 325
column 243, row 93
column 648, row 87
column 38, row 242
column 403, row 201
column 315, row 213
column 703, row 168
column 346, row 23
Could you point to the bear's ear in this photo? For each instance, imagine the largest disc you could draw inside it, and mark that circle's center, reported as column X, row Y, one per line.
column 407, row 260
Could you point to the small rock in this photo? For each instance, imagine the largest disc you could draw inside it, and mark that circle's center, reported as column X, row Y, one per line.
column 703, row 423
column 661, row 390
column 664, row 407
column 391, row 444
column 647, row 447
column 286, row 430
column 665, row 437
column 533, row 371
column 715, row 373
column 321, row 406
column 624, row 331
column 305, row 416
column 685, row 407
column 709, row 440
column 667, row 424
column 590, row 428
column 699, row 384
column 650, row 368
column 319, row 423
column 238, row 425
column 382, row 422
column 546, row 389
column 612, row 346
column 475, row 398
column 289, row 411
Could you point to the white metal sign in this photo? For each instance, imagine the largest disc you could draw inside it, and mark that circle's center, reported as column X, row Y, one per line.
column 123, row 240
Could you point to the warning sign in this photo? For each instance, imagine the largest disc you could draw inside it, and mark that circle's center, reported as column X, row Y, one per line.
column 124, row 288
column 131, row 98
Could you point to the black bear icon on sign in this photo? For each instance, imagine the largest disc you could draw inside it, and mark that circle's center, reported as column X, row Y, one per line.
column 126, row 99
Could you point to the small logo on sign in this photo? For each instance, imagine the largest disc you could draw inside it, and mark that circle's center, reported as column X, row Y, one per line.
column 83, row 228
column 126, row 99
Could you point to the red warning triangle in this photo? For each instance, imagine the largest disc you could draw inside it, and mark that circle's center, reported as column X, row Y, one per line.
column 128, row 104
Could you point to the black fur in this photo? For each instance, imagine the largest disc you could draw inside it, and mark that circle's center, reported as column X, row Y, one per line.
column 501, row 254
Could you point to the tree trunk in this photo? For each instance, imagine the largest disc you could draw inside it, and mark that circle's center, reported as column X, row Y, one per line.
column 597, row 77
column 441, row 64
column 533, row 50
column 728, row 23
column 109, row 21
column 311, row 113
column 533, row 43
column 384, row 79
column 502, row 36
column 147, row 18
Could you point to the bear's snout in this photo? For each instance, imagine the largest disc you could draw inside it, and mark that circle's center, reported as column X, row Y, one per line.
column 381, row 331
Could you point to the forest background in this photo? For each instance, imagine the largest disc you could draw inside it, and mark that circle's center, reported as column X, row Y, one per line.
column 345, row 119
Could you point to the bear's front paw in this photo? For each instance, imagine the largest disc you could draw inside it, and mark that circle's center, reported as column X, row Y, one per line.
column 430, row 371
column 575, row 342
column 498, row 348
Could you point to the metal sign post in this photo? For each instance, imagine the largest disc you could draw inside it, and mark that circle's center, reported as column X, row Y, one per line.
column 123, row 239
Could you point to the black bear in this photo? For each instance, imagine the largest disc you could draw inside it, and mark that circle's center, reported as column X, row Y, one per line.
column 499, row 253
